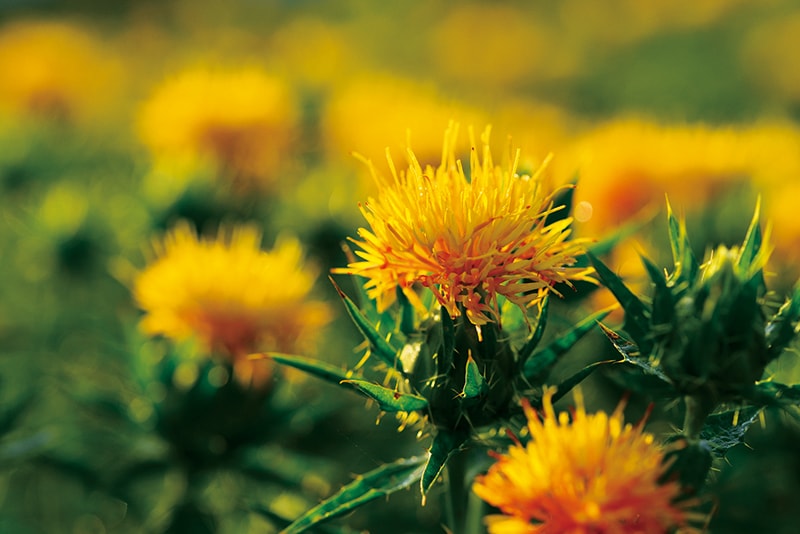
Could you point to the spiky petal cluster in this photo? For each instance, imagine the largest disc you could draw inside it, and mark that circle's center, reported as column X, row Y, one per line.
column 467, row 237
column 228, row 293
column 594, row 474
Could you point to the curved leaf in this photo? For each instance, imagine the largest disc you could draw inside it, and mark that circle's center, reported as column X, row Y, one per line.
column 445, row 444
column 389, row 400
column 382, row 348
column 375, row 484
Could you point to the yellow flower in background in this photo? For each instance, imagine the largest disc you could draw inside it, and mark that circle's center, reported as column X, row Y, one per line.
column 243, row 122
column 627, row 165
column 594, row 474
column 229, row 294
column 466, row 239
column 56, row 69
column 375, row 112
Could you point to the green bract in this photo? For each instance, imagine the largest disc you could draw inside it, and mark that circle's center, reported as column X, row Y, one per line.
column 705, row 333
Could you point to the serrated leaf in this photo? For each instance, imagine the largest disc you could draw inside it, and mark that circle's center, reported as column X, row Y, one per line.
column 569, row 384
column 663, row 308
column 636, row 313
column 631, row 354
column 533, row 341
column 375, row 484
column 781, row 329
column 686, row 265
column 279, row 521
column 539, row 365
column 445, row 444
column 389, row 400
column 382, row 348
column 752, row 240
column 725, row 430
column 325, row 371
column 776, row 394
column 474, row 382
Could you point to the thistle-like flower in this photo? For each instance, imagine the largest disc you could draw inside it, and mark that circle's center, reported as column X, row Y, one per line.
column 241, row 122
column 229, row 294
column 467, row 235
column 705, row 332
column 591, row 474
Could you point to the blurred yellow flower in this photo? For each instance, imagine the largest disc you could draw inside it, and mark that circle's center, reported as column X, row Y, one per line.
column 594, row 474
column 229, row 294
column 375, row 112
column 243, row 122
column 55, row 69
column 627, row 165
column 467, row 239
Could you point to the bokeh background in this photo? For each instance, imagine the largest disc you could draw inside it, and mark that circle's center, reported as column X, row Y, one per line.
column 117, row 119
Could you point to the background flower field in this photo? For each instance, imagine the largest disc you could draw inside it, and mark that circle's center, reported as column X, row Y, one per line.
column 134, row 132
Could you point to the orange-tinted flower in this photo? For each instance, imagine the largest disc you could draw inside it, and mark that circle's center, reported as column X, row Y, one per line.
column 468, row 239
column 594, row 474
column 229, row 294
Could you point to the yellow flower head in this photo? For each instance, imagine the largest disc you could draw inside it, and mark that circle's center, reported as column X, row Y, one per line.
column 468, row 239
column 595, row 475
column 241, row 121
column 56, row 69
column 228, row 293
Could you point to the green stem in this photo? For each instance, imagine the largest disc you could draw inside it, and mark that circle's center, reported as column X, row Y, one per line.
column 698, row 406
column 456, row 494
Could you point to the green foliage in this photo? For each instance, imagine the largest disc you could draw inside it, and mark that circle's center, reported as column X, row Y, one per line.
column 704, row 332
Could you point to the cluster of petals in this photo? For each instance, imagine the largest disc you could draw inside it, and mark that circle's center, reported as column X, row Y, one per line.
column 590, row 473
column 470, row 236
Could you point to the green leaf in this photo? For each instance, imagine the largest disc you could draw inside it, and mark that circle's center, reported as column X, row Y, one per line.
column 475, row 385
column 325, row 371
column 539, row 365
column 636, row 314
column 382, row 348
column 775, row 394
column 375, row 484
column 663, row 308
column 686, row 265
column 725, row 430
column 752, row 241
column 389, row 400
column 534, row 339
column 631, row 354
column 567, row 385
column 781, row 329
column 445, row 444
column 12, row 414
column 406, row 312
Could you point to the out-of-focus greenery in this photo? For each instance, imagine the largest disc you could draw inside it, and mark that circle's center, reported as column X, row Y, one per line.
column 699, row 100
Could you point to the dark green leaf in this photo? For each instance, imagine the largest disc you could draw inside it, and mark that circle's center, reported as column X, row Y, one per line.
column 10, row 416
column 382, row 348
column 539, row 365
column 567, row 385
column 406, row 312
column 375, row 484
column 663, row 307
column 686, row 266
column 534, row 339
column 325, row 371
column 630, row 353
column 781, row 329
column 636, row 314
column 725, row 430
column 445, row 356
column 752, row 240
column 389, row 400
column 775, row 394
column 445, row 443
